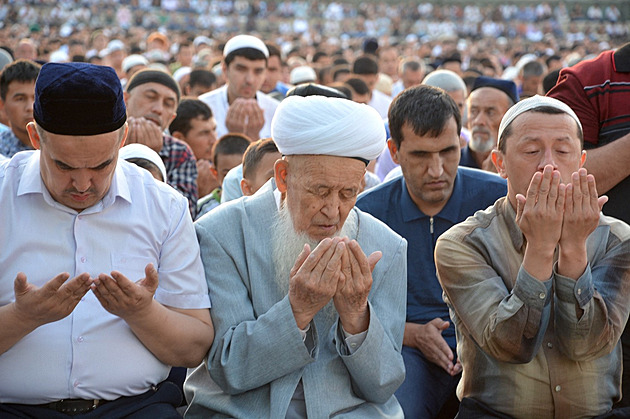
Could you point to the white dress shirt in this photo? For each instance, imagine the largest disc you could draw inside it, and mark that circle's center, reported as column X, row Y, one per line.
column 91, row 354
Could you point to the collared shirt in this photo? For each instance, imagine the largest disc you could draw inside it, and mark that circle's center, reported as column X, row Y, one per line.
column 530, row 348
column 218, row 101
column 181, row 170
column 391, row 203
column 10, row 144
column 91, row 354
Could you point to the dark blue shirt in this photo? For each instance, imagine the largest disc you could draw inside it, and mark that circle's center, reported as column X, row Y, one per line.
column 391, row 203
column 466, row 159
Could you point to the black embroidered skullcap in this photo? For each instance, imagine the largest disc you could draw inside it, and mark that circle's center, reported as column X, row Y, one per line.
column 78, row 99
column 151, row 75
column 506, row 86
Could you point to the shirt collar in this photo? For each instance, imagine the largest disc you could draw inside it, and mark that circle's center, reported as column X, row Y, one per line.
column 450, row 212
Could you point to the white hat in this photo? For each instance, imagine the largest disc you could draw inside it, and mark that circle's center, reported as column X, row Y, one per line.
column 59, row 56
column 302, row 74
column 115, row 45
column 201, row 39
column 141, row 151
column 530, row 103
column 328, row 126
column 179, row 74
column 133, row 60
column 245, row 41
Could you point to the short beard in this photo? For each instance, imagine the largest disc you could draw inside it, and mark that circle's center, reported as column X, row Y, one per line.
column 480, row 145
column 287, row 244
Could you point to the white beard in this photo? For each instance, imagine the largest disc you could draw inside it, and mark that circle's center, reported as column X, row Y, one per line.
column 480, row 144
column 287, row 244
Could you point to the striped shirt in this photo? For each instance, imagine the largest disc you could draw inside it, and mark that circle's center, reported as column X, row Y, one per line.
column 530, row 348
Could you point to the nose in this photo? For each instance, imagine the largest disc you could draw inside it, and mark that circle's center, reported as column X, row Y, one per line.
column 436, row 166
column 480, row 119
column 547, row 158
column 29, row 104
column 331, row 207
column 157, row 107
column 81, row 180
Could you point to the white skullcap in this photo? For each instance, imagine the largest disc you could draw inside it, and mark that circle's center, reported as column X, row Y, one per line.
column 328, row 126
column 302, row 74
column 245, row 41
column 179, row 74
column 133, row 60
column 141, row 151
column 530, row 103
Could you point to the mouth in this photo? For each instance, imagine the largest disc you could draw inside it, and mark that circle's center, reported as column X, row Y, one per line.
column 80, row 197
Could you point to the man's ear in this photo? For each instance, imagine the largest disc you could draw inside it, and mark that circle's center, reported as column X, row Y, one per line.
column 280, row 173
column 124, row 139
column 583, row 158
column 126, row 97
column 245, row 187
column 178, row 135
column 393, row 150
column 33, row 135
column 499, row 163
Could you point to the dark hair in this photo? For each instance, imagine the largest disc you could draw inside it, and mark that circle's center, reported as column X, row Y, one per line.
column 247, row 52
column 550, row 80
column 532, row 69
column 254, row 154
column 426, row 109
column 274, row 50
column 358, row 86
column 21, row 71
column 202, row 77
column 339, row 69
column 229, row 144
column 314, row 89
column 318, row 55
column 189, row 108
column 146, row 164
column 548, row 110
column 365, row 65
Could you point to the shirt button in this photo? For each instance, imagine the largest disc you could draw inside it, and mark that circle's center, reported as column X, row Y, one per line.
column 549, row 345
column 558, row 388
column 80, row 339
column 353, row 345
column 579, row 291
column 76, row 384
column 542, row 295
column 83, row 259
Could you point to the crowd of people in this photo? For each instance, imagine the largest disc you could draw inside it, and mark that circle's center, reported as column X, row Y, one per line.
column 314, row 209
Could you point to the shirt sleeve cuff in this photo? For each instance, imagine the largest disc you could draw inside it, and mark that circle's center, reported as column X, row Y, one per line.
column 571, row 291
column 353, row 342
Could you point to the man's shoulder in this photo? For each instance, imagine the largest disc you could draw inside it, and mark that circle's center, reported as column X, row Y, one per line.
column 472, row 176
column 381, row 196
column 481, row 221
column 174, row 148
column 374, row 232
column 213, row 95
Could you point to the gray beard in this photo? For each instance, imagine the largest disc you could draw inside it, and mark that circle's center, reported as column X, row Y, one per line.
column 287, row 244
column 479, row 145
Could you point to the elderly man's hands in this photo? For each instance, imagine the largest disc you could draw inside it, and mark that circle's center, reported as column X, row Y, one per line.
column 313, row 279
column 124, row 298
column 353, row 287
column 145, row 131
column 53, row 301
column 339, row 270
column 245, row 116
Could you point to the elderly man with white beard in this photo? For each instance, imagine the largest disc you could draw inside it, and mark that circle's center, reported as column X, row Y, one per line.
column 488, row 101
column 308, row 291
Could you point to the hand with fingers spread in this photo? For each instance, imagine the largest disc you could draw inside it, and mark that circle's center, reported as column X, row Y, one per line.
column 35, row 306
column 428, row 339
column 313, row 279
column 145, row 131
column 53, row 301
column 354, row 286
column 124, row 298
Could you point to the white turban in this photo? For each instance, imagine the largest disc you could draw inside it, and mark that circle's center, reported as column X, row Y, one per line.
column 329, row 126
column 530, row 103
